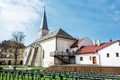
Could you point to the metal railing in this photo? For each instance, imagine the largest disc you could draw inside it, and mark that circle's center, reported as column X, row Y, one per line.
column 61, row 53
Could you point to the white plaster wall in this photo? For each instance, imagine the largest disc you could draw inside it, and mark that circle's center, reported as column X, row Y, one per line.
column 86, row 58
column 112, row 60
column 85, row 42
column 63, row 44
column 48, row 46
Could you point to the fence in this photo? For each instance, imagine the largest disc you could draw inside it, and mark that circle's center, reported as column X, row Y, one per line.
column 87, row 68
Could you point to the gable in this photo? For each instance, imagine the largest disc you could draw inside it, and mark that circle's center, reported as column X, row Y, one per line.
column 63, row 34
column 57, row 33
column 75, row 44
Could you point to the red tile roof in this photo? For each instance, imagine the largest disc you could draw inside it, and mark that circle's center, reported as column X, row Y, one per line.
column 75, row 44
column 92, row 48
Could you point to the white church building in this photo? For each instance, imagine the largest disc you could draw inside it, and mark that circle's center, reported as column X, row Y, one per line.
column 50, row 48
column 58, row 48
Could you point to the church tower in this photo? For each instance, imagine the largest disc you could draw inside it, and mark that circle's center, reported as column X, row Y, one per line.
column 44, row 27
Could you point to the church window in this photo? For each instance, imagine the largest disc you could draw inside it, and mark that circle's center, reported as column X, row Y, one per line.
column 117, row 54
column 43, row 54
column 108, row 55
column 81, row 58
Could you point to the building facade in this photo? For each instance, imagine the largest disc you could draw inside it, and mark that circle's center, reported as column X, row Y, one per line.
column 50, row 48
column 7, row 52
column 58, row 48
column 102, row 54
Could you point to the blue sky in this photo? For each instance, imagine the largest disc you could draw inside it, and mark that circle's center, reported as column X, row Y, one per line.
column 96, row 19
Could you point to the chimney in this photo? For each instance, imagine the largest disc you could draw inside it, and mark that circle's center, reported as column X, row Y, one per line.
column 118, row 39
column 98, row 42
column 110, row 40
column 94, row 42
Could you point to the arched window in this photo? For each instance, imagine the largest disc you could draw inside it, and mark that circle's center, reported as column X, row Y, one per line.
column 117, row 54
column 43, row 54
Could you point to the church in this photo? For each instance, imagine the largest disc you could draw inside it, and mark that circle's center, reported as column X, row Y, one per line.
column 50, row 48
column 60, row 48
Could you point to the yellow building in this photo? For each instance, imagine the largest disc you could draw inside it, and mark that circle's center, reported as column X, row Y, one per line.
column 7, row 53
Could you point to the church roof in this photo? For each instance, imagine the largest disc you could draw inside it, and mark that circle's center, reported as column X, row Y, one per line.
column 63, row 34
column 44, row 21
column 57, row 33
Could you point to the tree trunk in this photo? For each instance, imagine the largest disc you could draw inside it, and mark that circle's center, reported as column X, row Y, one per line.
column 15, row 59
column 15, row 55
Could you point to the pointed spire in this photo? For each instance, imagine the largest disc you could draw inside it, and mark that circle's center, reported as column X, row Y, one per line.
column 44, row 27
column 44, row 21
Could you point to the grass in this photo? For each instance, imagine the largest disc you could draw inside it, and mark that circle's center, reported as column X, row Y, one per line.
column 18, row 66
column 23, row 67
column 4, row 66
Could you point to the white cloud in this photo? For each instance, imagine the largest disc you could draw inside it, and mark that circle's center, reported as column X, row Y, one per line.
column 17, row 15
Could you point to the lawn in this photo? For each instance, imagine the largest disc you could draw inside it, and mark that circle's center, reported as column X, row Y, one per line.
column 22, row 67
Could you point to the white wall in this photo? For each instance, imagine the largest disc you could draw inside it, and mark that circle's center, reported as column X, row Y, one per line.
column 63, row 44
column 48, row 46
column 84, row 42
column 86, row 58
column 112, row 60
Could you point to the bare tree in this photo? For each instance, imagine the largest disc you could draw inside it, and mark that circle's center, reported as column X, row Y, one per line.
column 17, row 38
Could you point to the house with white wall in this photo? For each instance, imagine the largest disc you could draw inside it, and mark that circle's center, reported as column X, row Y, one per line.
column 103, row 54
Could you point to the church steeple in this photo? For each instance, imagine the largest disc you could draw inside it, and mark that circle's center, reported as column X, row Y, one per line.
column 44, row 27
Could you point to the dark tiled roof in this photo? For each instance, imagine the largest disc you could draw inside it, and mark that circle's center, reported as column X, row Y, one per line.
column 63, row 34
column 57, row 33
column 44, row 22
